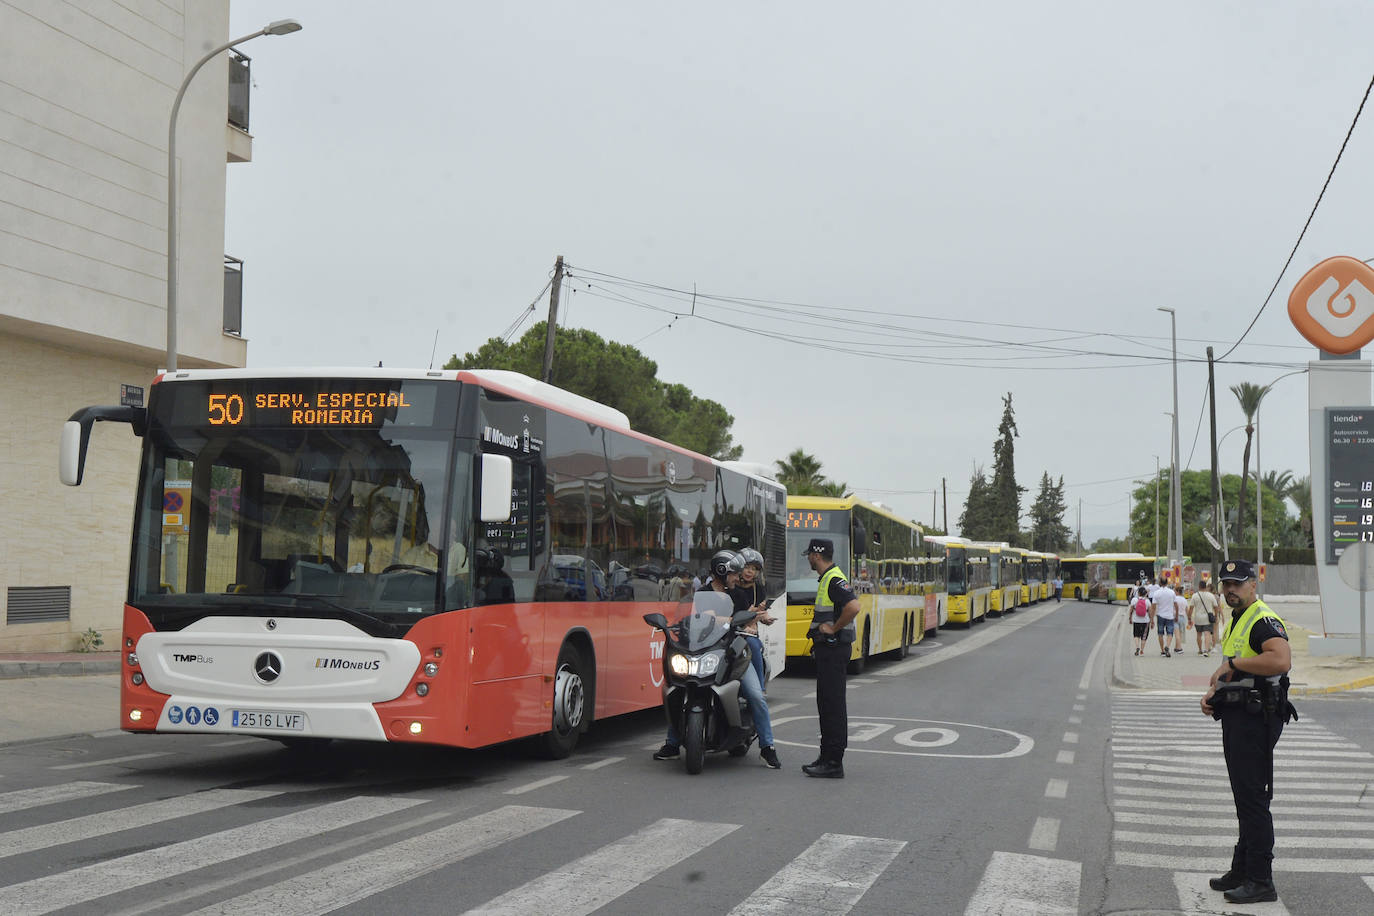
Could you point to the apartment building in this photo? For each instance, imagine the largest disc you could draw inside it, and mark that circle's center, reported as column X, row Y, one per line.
column 86, row 91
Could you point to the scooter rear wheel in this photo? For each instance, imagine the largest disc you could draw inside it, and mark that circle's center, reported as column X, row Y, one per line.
column 694, row 741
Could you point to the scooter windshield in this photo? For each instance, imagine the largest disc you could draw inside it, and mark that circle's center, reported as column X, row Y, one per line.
column 707, row 622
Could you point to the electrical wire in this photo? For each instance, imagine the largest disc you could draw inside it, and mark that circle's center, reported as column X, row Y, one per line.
column 1305, row 225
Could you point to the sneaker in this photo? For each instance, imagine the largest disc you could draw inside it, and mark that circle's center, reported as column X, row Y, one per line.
column 1166, row 653
column 667, row 752
column 770, row 757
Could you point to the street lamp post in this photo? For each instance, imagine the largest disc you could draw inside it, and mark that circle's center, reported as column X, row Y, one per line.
column 1176, row 516
column 279, row 27
column 1155, row 546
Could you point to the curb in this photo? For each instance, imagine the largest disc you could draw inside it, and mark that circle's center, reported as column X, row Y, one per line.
column 1335, row 688
column 58, row 669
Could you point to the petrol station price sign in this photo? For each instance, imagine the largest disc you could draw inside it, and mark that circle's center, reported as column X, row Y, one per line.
column 1349, row 478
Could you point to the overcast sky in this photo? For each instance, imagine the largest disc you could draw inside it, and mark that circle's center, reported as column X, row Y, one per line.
column 970, row 199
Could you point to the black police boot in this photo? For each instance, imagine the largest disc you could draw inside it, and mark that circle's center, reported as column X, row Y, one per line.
column 825, row 769
column 1227, row 881
column 1253, row 892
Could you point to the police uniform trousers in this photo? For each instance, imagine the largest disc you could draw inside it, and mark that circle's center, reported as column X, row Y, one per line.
column 831, row 660
column 1248, row 739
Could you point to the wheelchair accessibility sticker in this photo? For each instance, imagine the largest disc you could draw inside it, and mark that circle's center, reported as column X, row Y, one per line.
column 919, row 737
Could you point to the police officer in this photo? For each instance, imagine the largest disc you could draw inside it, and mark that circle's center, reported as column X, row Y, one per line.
column 832, row 634
column 1249, row 694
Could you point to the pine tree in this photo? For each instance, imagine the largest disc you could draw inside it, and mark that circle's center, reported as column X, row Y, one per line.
column 1005, row 494
column 1048, row 531
column 977, row 519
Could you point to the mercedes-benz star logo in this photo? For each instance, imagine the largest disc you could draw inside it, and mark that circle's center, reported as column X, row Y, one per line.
column 267, row 667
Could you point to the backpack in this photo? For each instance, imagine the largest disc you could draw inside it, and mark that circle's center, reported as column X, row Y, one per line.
column 1141, row 610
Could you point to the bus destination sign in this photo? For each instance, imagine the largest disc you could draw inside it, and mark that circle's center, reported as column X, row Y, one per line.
column 300, row 403
column 1349, row 478
column 808, row 519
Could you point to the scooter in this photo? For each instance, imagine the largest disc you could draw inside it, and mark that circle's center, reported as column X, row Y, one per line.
column 704, row 657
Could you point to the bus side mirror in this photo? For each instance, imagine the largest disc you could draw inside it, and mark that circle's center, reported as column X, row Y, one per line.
column 76, row 436
column 497, row 476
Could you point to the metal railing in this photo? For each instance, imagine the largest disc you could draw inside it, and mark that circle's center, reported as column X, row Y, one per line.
column 233, row 295
column 240, row 78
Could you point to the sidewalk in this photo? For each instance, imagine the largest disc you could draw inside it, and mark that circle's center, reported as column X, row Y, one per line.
column 1191, row 672
column 66, row 664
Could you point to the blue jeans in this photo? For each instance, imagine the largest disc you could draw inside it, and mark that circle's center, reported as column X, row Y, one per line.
column 756, row 656
column 752, row 691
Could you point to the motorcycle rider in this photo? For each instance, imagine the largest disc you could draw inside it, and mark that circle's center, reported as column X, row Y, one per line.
column 724, row 569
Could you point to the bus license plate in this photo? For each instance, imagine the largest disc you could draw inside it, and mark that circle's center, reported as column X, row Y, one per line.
column 268, row 719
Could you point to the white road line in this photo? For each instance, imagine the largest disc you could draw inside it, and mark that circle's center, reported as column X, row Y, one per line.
column 1078, row 707
column 830, row 877
column 862, row 680
column 537, row 784
column 1081, row 697
column 1222, row 782
column 1086, row 678
column 1229, row 807
column 1195, row 896
column 1057, row 788
column 1152, row 819
column 601, row 763
column 235, row 741
column 53, row 892
column 1014, row 884
column 1291, row 750
column 347, row 882
column 1075, row 720
column 1279, row 761
column 21, row 799
column 1329, row 798
column 44, row 836
column 984, row 636
column 596, row 879
column 1217, row 865
column 1044, row 836
column 1064, row 757
column 109, row 760
column 1070, row 737
column 1209, row 840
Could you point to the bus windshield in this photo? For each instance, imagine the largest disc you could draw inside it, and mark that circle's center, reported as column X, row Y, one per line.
column 958, row 571
column 800, row 579
column 328, row 522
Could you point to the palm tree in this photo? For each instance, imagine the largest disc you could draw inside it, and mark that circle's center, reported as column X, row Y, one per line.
column 1250, row 395
column 1280, row 482
column 799, row 472
column 1301, row 494
column 833, row 488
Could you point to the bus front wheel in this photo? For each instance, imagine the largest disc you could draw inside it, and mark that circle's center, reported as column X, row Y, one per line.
column 569, row 705
column 857, row 665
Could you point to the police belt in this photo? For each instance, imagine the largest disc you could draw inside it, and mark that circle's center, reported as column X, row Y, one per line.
column 1254, row 695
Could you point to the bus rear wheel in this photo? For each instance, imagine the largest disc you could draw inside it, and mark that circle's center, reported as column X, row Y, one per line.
column 857, row 665
column 569, row 705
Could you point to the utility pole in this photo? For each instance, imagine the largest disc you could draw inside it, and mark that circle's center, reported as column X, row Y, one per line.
column 1216, row 481
column 1080, row 526
column 1156, row 544
column 944, row 501
column 553, row 319
column 1130, row 510
column 933, row 494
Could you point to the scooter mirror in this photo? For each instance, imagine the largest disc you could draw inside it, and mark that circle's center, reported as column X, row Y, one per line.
column 656, row 620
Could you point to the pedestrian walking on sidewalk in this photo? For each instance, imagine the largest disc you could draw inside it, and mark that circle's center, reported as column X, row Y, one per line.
column 1249, row 694
column 1165, row 617
column 1058, row 583
column 1202, row 613
column 1180, row 619
column 1140, row 614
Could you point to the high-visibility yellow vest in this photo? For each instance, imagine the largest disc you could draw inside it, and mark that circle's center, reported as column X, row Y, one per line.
column 825, row 609
column 1237, row 643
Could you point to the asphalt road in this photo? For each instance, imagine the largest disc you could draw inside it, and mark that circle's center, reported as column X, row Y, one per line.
column 984, row 776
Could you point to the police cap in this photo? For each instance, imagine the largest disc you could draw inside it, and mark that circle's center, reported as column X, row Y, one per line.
column 1237, row 570
column 823, row 546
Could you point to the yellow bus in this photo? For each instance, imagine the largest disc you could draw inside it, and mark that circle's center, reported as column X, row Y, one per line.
column 1109, row 576
column 934, row 586
column 1004, row 570
column 879, row 553
column 968, row 579
column 1036, row 584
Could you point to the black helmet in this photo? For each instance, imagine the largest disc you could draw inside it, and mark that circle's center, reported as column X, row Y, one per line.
column 751, row 557
column 725, row 562
column 489, row 558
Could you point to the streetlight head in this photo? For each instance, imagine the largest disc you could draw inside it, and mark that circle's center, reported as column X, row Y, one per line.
column 1158, row 308
column 282, row 27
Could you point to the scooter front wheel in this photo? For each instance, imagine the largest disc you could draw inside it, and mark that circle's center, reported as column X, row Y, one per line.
column 694, row 741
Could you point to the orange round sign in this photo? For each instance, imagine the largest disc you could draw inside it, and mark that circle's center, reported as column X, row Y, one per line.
column 1333, row 305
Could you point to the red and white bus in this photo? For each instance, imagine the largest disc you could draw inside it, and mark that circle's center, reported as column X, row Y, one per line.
column 458, row 558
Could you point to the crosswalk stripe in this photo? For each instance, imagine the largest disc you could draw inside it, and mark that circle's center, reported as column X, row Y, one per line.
column 52, row 892
column 611, row 871
column 1330, row 798
column 1195, row 896
column 1217, row 865
column 45, row 836
column 1044, row 835
column 107, row 761
column 1014, row 884
column 538, row 784
column 1154, row 804
column 362, row 876
column 1209, row 841
column 828, row 878
column 21, row 799
column 1152, row 819
column 1219, row 762
column 1287, row 750
column 1222, row 783
column 598, row 764
column 1279, row 760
